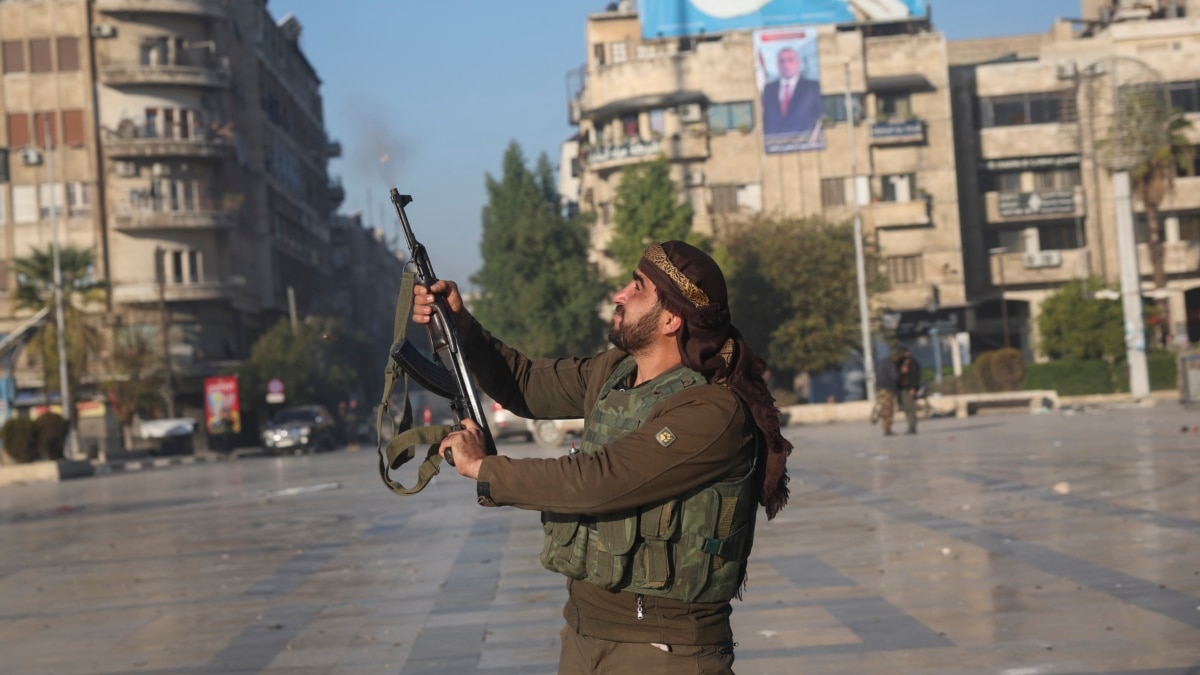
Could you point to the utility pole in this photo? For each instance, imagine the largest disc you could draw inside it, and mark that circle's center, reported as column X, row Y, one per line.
column 864, row 316
column 164, row 327
column 60, row 321
column 1000, row 250
column 291, row 295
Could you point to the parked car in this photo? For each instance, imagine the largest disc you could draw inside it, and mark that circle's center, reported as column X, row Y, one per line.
column 504, row 423
column 550, row 434
column 300, row 429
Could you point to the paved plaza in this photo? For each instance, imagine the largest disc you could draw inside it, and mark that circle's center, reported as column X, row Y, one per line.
column 1010, row 544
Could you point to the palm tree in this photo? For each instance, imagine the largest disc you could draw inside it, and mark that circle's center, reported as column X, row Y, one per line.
column 35, row 291
column 1169, row 153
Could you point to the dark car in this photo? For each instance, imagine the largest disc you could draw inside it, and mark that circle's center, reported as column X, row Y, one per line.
column 300, row 429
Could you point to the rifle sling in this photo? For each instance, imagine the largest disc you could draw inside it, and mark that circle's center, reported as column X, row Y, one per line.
column 403, row 445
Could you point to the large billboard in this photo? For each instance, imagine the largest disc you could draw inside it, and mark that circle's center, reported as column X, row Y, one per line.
column 789, row 77
column 677, row 18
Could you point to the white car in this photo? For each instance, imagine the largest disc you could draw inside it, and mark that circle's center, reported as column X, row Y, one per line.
column 550, row 434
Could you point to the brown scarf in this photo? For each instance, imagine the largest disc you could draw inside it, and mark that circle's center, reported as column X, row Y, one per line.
column 692, row 286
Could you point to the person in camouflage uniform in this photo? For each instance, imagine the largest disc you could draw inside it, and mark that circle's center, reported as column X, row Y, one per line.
column 653, row 521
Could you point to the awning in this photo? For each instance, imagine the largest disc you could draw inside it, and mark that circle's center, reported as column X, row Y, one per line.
column 899, row 83
column 640, row 103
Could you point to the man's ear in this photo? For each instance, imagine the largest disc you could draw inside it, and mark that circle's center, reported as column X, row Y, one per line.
column 672, row 323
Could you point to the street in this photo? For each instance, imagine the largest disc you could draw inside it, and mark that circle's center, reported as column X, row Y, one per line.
column 1016, row 544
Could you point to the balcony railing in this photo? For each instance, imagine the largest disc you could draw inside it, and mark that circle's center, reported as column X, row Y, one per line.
column 186, row 291
column 150, row 220
column 216, row 75
column 1179, row 257
column 1007, row 207
column 206, row 8
column 898, row 132
column 1036, row 267
column 901, row 214
column 627, row 152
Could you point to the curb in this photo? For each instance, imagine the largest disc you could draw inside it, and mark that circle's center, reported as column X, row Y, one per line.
column 56, row 472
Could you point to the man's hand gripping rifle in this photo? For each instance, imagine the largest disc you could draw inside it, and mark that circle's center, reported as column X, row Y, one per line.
column 447, row 376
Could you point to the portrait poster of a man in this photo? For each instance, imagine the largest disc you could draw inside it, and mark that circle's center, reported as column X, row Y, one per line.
column 790, row 93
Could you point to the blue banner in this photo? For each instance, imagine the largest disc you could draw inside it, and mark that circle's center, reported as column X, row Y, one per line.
column 677, row 18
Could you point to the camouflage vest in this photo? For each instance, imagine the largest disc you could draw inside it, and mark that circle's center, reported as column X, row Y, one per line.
column 691, row 548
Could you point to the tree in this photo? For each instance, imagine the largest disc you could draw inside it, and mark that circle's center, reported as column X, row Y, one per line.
column 793, row 291
column 1169, row 154
column 1076, row 323
column 537, row 289
column 35, row 290
column 648, row 209
column 134, row 386
column 320, row 362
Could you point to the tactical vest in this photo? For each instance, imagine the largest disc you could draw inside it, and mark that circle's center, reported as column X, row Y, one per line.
column 691, row 548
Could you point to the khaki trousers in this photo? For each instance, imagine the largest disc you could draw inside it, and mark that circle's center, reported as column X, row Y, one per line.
column 583, row 655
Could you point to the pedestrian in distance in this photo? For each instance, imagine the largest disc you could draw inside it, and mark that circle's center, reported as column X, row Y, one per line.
column 886, row 376
column 907, row 382
column 653, row 520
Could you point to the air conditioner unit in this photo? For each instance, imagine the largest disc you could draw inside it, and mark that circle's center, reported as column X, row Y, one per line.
column 1050, row 258
column 690, row 112
column 1032, row 259
column 1067, row 70
column 104, row 30
column 31, row 157
column 126, row 169
column 161, row 170
column 694, row 179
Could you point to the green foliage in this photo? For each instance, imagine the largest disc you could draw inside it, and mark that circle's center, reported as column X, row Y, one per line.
column 136, row 378
column 1000, row 369
column 20, row 439
column 321, row 362
column 537, row 289
column 51, row 435
column 793, row 291
column 1078, row 325
column 648, row 209
column 1072, row 376
column 1164, row 371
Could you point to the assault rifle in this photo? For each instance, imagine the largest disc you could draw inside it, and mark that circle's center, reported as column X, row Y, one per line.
column 447, row 376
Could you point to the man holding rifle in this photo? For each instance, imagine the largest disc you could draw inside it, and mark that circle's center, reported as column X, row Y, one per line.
column 653, row 521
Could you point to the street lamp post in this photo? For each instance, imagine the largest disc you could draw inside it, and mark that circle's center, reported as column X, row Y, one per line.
column 999, row 250
column 864, row 316
column 59, row 316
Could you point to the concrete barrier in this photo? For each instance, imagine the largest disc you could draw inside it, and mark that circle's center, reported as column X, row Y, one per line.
column 44, row 472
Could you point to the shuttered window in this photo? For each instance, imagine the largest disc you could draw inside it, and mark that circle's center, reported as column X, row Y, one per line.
column 3, row 205
column 24, row 200
column 68, row 54
column 13, row 52
column 73, row 128
column 40, row 60
column 18, row 130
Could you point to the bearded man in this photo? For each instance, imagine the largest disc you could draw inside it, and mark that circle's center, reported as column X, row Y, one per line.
column 653, row 521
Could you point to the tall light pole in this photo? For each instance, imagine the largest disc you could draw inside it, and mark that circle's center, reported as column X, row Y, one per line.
column 1000, row 250
column 64, row 385
column 864, row 316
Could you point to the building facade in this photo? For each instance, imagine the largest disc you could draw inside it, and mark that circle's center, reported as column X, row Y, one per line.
column 976, row 164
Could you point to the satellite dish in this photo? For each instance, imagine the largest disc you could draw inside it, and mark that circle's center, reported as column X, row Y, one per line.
column 728, row 9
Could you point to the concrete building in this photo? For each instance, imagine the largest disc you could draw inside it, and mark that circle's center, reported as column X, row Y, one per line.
column 191, row 155
column 976, row 168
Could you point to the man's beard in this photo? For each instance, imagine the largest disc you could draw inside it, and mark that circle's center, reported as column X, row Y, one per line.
column 636, row 336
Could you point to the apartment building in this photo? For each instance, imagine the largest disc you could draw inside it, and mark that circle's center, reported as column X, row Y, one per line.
column 975, row 170
column 696, row 100
column 189, row 151
column 1033, row 117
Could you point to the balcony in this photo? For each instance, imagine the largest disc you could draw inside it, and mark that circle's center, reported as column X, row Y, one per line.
column 337, row 193
column 208, row 76
column 193, row 148
column 150, row 221
column 1179, row 257
column 913, row 213
column 1019, row 268
column 1012, row 207
column 195, row 291
column 1184, row 197
column 211, row 9
column 629, row 152
column 898, row 132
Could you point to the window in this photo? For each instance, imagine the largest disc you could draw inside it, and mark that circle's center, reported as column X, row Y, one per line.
column 1060, row 179
column 50, row 196
column 193, row 260
column 43, row 124
column 1003, row 181
column 629, row 126
column 79, row 199
column 658, row 122
column 18, row 130
column 24, row 200
column 833, row 192
column 73, row 128
column 1012, row 240
column 899, row 187
column 619, row 52
column 1004, row 111
column 835, row 107
column 68, row 54
column 905, row 269
column 3, row 207
column 893, row 104
column 598, row 53
column 13, row 52
column 724, row 199
column 177, row 266
column 39, row 56
column 1185, row 95
column 1189, row 226
column 1060, row 236
column 738, row 115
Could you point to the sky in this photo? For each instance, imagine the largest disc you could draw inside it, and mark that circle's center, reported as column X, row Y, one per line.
column 441, row 87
